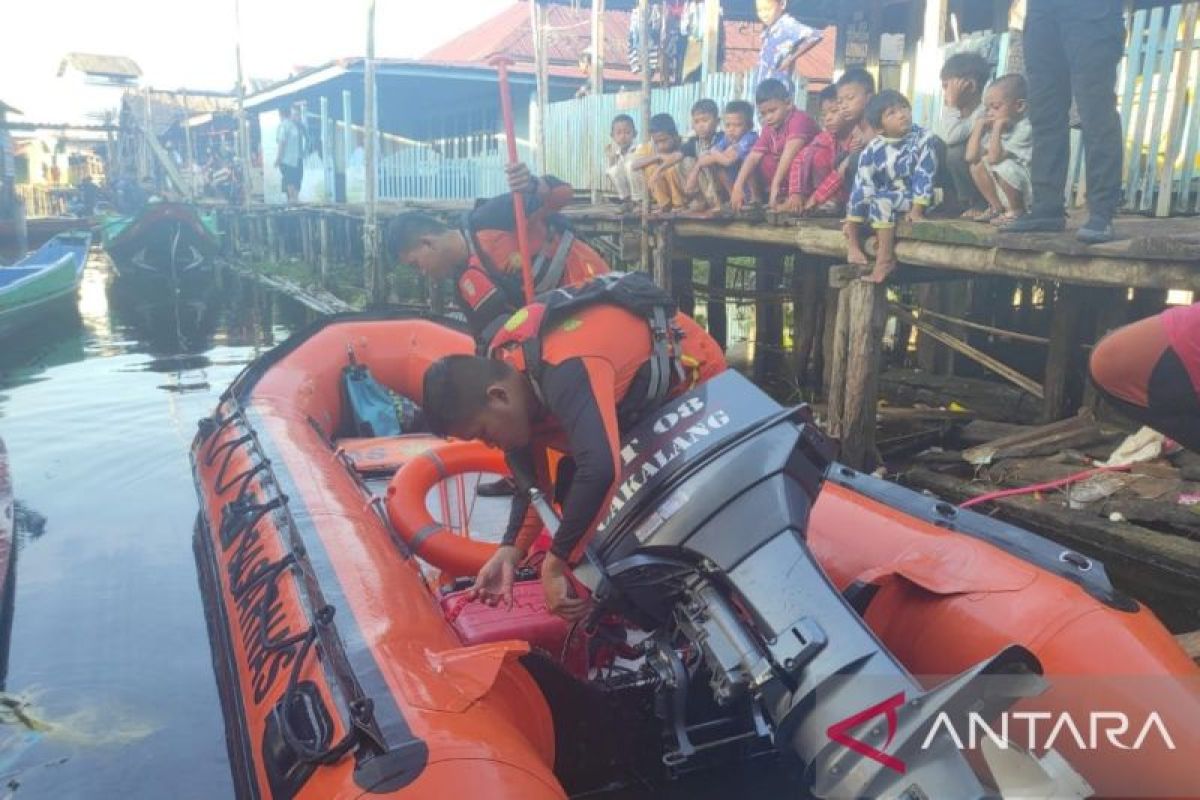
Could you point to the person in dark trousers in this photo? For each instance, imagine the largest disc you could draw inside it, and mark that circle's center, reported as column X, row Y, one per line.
column 1072, row 49
column 1150, row 371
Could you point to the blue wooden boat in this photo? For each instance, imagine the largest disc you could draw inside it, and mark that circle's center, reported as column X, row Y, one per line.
column 46, row 277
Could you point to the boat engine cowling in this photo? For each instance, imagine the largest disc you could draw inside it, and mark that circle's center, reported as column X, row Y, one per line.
column 705, row 539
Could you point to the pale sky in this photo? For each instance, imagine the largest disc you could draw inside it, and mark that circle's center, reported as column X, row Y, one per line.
column 191, row 44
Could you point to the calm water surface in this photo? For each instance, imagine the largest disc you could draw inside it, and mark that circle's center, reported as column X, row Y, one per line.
column 108, row 646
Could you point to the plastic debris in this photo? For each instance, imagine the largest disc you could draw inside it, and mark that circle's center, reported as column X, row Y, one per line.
column 1145, row 445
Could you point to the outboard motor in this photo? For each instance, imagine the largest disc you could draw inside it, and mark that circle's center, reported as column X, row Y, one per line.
column 704, row 546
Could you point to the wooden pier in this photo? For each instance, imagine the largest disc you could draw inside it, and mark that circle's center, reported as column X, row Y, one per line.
column 955, row 287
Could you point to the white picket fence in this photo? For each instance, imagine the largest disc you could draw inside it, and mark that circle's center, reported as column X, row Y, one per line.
column 577, row 130
column 461, row 168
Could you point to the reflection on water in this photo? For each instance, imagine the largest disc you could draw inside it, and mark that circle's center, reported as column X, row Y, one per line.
column 110, row 690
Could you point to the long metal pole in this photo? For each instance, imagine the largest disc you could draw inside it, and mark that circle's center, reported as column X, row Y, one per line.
column 540, row 65
column 370, row 249
column 501, row 65
column 644, row 27
column 597, row 79
column 187, row 144
column 243, row 128
column 597, row 47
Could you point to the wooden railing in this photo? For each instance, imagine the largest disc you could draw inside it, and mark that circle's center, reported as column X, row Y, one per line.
column 42, row 201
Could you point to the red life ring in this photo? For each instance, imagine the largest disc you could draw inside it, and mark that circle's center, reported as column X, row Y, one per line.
column 455, row 555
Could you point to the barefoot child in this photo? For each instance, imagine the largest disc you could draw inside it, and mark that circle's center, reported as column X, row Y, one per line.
column 964, row 77
column 723, row 162
column 824, row 154
column 854, row 91
column 1000, row 149
column 619, row 156
column 660, row 161
column 786, row 130
column 895, row 176
column 698, row 186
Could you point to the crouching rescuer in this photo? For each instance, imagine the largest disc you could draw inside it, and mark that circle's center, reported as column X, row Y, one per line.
column 569, row 372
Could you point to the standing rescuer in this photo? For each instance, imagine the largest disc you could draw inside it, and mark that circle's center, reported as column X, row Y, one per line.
column 481, row 254
column 1072, row 50
column 585, row 377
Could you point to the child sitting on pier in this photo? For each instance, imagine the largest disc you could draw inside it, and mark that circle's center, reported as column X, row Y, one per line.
column 895, row 175
column 811, row 188
column 854, row 91
column 722, row 163
column 964, row 77
column 999, row 151
column 661, row 161
column 699, row 187
column 786, row 130
column 619, row 157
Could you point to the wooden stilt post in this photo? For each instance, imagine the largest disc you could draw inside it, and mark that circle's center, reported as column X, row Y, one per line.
column 899, row 353
column 664, row 245
column 929, row 359
column 324, row 251
column 1111, row 312
column 306, row 240
column 272, row 239
column 839, row 345
column 829, row 335
column 718, row 322
column 1064, row 330
column 234, row 244
column 809, row 279
column 956, row 300
column 768, row 312
column 683, row 285
column 858, row 349
column 1147, row 303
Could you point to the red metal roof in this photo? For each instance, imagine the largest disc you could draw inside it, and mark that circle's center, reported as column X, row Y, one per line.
column 509, row 32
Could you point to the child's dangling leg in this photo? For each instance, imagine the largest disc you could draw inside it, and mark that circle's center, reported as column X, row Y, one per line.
column 854, row 250
column 674, row 179
column 885, row 254
column 883, row 220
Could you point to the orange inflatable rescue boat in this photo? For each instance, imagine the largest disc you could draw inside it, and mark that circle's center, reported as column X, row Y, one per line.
column 752, row 597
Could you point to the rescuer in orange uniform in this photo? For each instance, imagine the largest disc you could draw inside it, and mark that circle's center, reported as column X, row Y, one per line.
column 481, row 254
column 592, row 381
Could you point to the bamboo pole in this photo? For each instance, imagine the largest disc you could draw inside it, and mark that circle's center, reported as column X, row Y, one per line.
column 187, row 140
column 961, row 347
column 597, row 82
column 644, row 26
column 242, row 128
column 597, row 47
column 1003, row 334
column 1175, row 126
column 540, row 65
column 370, row 247
column 710, row 44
